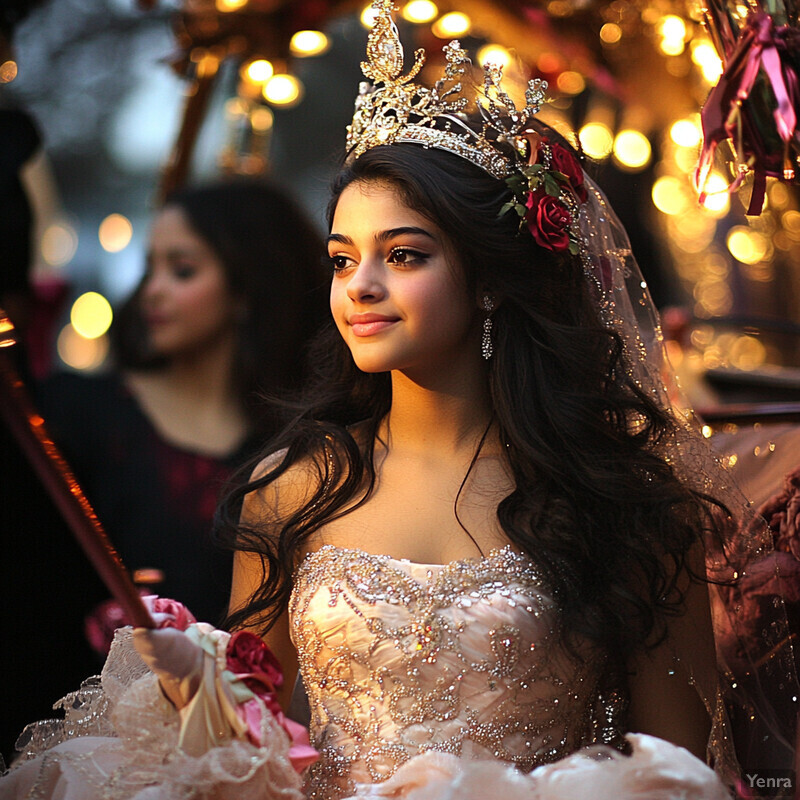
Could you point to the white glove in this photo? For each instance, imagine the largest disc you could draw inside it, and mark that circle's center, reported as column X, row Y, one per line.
column 174, row 658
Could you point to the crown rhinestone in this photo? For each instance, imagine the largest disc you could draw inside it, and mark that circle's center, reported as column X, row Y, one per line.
column 393, row 109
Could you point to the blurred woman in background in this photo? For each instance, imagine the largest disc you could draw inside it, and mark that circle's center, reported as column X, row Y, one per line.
column 231, row 295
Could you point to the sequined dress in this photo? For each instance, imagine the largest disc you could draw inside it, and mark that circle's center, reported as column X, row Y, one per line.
column 426, row 682
column 401, row 658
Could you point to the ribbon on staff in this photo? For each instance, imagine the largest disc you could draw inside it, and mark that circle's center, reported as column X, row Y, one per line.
column 760, row 47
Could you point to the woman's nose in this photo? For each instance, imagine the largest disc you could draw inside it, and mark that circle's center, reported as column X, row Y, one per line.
column 366, row 282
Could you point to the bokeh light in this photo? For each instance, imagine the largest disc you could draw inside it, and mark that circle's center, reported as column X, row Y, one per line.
column 705, row 56
column 717, row 200
column 747, row 245
column 610, row 33
column 685, row 133
column 115, row 233
column 596, row 140
column 570, row 82
column 673, row 35
column 258, row 71
column 670, row 195
column 453, row 24
column 230, row 5
column 8, row 71
column 309, row 43
column 494, row 54
column 81, row 353
column 262, row 120
column 368, row 16
column 632, row 150
column 283, row 90
column 91, row 315
column 420, row 11
column 59, row 243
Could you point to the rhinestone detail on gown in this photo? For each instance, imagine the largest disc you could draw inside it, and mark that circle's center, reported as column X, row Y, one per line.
column 400, row 658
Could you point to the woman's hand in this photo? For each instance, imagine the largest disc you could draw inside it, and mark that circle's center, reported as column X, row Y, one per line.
column 174, row 658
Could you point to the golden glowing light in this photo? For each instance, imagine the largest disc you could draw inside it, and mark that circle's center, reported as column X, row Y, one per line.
column 747, row 245
column 670, row 196
column 707, row 431
column 596, row 139
column 550, row 62
column 8, row 71
column 747, row 353
column 59, row 243
column 368, row 16
column 672, row 27
column 81, row 353
column 494, row 54
column 283, row 90
column 571, row 82
column 230, row 5
column 610, row 33
column 453, row 24
column 685, row 132
column 309, row 43
column 258, row 71
column 262, row 120
column 91, row 315
column 632, row 150
column 779, row 195
column 420, row 11
column 705, row 56
column 791, row 224
column 717, row 201
column 672, row 30
column 115, row 233
column 692, row 233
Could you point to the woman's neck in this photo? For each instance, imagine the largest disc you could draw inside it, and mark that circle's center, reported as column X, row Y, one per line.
column 445, row 416
column 192, row 401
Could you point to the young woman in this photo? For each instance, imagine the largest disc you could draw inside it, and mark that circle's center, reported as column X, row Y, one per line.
column 232, row 294
column 478, row 539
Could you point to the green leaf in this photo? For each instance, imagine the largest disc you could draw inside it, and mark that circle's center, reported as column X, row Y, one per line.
column 573, row 248
column 551, row 186
column 521, row 209
column 506, row 208
column 559, row 176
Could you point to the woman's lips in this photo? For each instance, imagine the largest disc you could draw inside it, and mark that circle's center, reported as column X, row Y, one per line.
column 370, row 324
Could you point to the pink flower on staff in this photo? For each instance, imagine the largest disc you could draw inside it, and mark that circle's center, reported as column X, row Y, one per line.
column 251, row 660
column 169, row 613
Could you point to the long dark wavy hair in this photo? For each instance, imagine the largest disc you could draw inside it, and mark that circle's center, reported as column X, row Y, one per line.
column 595, row 506
column 270, row 253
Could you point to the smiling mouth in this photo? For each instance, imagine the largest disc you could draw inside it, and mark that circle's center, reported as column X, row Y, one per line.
column 371, row 327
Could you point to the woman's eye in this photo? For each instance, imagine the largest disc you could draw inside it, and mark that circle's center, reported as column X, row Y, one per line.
column 405, row 255
column 184, row 271
column 337, row 263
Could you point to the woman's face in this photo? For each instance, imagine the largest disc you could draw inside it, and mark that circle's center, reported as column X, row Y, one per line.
column 185, row 300
column 397, row 296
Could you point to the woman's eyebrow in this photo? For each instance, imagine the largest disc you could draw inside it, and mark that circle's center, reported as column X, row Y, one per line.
column 383, row 236
column 404, row 231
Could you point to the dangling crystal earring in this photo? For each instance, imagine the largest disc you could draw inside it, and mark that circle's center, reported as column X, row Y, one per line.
column 487, row 348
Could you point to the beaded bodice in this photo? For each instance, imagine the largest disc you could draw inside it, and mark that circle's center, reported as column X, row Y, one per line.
column 399, row 658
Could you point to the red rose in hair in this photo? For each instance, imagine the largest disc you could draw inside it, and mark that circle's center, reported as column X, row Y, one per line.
column 563, row 161
column 548, row 220
column 250, row 659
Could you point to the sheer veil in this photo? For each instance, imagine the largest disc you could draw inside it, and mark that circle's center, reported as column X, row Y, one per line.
column 753, row 698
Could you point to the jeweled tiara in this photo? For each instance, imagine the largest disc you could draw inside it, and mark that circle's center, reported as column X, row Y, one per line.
column 394, row 109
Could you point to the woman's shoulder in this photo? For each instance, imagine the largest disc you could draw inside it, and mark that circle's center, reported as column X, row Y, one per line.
column 282, row 484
